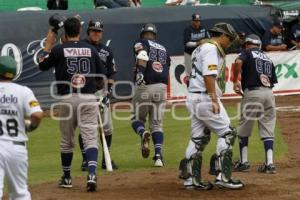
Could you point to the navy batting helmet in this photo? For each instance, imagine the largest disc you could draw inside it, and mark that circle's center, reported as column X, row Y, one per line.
column 253, row 39
column 149, row 28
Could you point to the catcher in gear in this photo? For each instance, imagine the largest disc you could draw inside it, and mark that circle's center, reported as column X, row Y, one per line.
column 16, row 102
column 207, row 84
column 151, row 78
column 258, row 103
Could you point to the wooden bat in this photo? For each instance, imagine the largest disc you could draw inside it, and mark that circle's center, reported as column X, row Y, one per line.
column 104, row 145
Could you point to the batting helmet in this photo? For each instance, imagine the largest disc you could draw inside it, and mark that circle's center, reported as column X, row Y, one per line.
column 95, row 25
column 149, row 28
column 56, row 21
column 8, row 67
column 253, row 39
column 226, row 29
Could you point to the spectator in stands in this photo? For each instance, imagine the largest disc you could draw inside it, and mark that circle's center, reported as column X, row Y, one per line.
column 182, row 2
column 135, row 3
column 295, row 37
column 113, row 3
column 238, row 45
column 272, row 40
column 57, row 4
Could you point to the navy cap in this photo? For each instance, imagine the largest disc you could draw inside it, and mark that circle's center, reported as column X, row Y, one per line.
column 277, row 23
column 196, row 17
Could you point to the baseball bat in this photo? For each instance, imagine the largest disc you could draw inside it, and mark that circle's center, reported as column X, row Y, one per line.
column 104, row 145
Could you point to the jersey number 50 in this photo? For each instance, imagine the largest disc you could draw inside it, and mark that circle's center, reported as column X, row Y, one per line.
column 78, row 65
column 11, row 127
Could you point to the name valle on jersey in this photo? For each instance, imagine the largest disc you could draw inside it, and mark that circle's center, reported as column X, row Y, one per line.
column 77, row 52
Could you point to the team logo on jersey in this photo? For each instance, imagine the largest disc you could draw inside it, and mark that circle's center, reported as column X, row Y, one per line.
column 212, row 67
column 8, row 99
column 265, row 80
column 157, row 67
column 33, row 104
column 78, row 81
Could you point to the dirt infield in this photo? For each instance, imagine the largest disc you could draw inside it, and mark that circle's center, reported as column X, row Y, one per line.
column 164, row 184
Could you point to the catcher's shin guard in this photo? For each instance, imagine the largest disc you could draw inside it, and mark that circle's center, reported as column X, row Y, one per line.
column 225, row 160
column 214, row 168
column 183, row 170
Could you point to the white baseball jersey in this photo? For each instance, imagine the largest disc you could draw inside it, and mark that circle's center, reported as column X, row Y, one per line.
column 16, row 102
column 205, row 61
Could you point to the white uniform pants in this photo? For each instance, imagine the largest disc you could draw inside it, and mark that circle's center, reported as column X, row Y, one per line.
column 200, row 108
column 14, row 165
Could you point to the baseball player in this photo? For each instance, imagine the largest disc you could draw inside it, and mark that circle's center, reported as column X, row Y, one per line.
column 151, row 78
column 295, row 34
column 193, row 36
column 16, row 102
column 208, row 113
column 76, row 65
column 94, row 31
column 257, row 80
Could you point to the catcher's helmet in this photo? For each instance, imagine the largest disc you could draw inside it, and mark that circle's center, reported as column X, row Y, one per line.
column 226, row 29
column 149, row 28
column 95, row 25
column 253, row 39
column 8, row 67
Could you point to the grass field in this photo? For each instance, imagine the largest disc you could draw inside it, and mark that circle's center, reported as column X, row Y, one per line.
column 44, row 157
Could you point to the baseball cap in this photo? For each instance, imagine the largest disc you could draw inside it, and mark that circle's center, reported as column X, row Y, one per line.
column 96, row 25
column 196, row 17
column 226, row 29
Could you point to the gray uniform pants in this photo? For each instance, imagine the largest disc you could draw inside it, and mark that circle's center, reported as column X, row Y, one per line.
column 150, row 100
column 257, row 105
column 82, row 111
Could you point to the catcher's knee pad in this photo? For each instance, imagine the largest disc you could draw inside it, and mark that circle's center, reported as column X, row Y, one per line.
column 230, row 136
column 201, row 142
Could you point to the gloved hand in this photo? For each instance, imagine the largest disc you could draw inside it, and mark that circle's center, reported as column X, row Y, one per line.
column 139, row 79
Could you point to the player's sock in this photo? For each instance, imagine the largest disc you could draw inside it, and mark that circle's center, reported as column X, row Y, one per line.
column 138, row 127
column 244, row 149
column 81, row 147
column 158, row 138
column 268, row 144
column 91, row 157
column 66, row 161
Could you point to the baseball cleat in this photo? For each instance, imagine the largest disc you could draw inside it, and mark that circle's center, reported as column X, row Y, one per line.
column 65, row 182
column 113, row 164
column 189, row 185
column 268, row 169
column 91, row 184
column 145, row 144
column 241, row 167
column 231, row 184
column 158, row 161
column 84, row 166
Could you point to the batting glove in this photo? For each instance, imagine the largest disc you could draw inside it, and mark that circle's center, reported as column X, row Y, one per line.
column 139, row 79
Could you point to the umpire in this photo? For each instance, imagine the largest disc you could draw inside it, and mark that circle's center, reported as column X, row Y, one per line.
column 258, row 103
column 95, row 33
column 76, row 64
